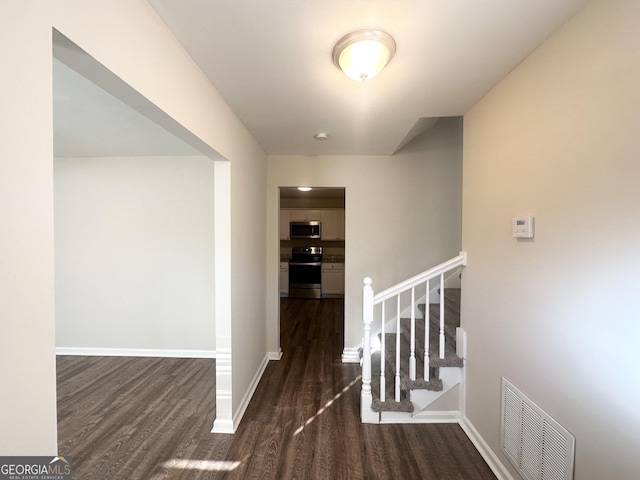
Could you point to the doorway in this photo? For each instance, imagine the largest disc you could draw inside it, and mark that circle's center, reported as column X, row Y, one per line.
column 134, row 213
column 323, row 248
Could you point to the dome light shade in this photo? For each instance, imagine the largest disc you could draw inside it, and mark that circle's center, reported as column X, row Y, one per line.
column 362, row 55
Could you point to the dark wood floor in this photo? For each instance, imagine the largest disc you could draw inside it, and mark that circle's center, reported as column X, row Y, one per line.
column 147, row 418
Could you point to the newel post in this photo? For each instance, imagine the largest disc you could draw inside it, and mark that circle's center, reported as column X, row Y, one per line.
column 366, row 400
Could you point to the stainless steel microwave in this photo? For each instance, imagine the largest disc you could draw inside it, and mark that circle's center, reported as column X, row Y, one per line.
column 304, row 229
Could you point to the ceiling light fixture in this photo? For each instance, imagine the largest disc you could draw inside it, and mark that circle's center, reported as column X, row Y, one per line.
column 362, row 54
column 321, row 136
column 304, row 189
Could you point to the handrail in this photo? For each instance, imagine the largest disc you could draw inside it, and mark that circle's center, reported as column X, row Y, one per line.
column 460, row 260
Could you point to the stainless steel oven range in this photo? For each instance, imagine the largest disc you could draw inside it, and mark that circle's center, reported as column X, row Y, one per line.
column 305, row 272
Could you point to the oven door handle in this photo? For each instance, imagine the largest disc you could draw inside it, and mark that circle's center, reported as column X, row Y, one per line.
column 306, row 264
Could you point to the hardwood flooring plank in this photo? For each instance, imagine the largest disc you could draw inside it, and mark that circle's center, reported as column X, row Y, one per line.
column 150, row 418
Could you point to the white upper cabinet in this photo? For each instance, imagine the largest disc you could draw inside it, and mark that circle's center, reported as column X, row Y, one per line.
column 284, row 224
column 341, row 228
column 302, row 215
column 333, row 224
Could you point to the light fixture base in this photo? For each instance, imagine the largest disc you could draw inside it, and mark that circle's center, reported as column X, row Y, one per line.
column 362, row 54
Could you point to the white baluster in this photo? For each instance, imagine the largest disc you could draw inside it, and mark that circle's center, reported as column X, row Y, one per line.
column 398, row 349
column 366, row 414
column 427, row 372
column 412, row 353
column 442, row 315
column 383, row 360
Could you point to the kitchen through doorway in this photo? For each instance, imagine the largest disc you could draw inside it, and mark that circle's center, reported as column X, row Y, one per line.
column 312, row 243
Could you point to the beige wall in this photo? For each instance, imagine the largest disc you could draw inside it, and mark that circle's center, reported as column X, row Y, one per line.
column 27, row 361
column 402, row 215
column 134, row 251
column 128, row 38
column 558, row 315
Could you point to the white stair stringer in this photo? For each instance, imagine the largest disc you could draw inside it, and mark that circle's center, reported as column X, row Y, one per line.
column 423, row 399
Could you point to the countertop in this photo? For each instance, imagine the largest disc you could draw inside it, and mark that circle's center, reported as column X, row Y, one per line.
column 325, row 258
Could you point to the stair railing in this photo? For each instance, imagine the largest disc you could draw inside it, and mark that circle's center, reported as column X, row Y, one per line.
column 369, row 301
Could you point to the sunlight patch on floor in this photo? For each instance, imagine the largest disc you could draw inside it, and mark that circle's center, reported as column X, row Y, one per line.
column 327, row 405
column 205, row 465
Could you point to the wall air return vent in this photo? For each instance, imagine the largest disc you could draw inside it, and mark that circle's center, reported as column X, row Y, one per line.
column 538, row 446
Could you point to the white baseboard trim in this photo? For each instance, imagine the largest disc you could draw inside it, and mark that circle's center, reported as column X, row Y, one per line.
column 224, row 427
column 351, row 355
column 274, row 355
column 388, row 417
column 485, row 451
column 134, row 352
column 452, row 416
column 448, row 416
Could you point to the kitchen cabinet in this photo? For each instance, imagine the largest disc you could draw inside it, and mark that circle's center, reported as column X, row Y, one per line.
column 332, row 279
column 284, row 224
column 284, row 279
column 303, row 215
column 333, row 224
column 341, row 228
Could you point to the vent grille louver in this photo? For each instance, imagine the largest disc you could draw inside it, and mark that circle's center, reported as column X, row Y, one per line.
column 538, row 446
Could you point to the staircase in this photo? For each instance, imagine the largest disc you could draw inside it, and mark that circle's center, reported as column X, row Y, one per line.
column 417, row 384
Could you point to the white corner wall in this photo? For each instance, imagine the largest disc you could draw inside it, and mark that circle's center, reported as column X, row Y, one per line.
column 129, row 39
column 402, row 215
column 134, row 250
column 27, row 348
column 558, row 315
column 144, row 54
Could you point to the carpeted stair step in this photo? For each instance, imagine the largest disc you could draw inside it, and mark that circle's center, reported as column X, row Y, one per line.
column 406, row 385
column 404, row 405
column 452, row 298
column 405, row 382
column 452, row 301
column 435, row 384
column 389, row 405
column 451, row 323
column 450, row 358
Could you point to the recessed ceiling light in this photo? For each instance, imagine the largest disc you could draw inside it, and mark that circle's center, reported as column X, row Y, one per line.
column 362, row 55
column 321, row 136
column 304, row 189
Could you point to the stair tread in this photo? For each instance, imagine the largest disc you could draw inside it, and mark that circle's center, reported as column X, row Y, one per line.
column 389, row 383
column 434, row 385
column 392, row 406
column 451, row 360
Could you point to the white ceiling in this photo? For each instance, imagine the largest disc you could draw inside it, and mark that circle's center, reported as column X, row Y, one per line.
column 271, row 61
